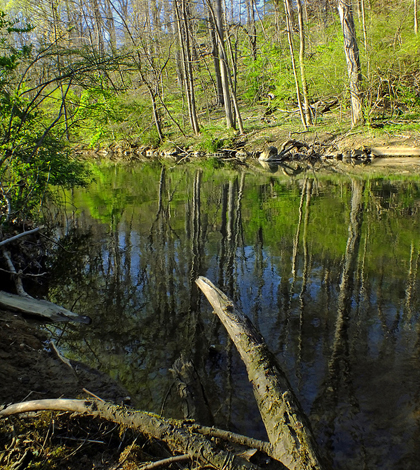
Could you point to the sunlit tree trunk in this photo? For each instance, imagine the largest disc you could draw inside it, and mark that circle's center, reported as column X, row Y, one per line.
column 98, row 27
column 110, row 26
column 181, row 12
column 353, row 61
column 223, row 66
column 289, row 26
column 216, row 61
column 302, row 62
column 363, row 13
column 225, row 72
column 252, row 30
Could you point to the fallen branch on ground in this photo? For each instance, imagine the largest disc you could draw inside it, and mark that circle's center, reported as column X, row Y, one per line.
column 174, row 434
column 40, row 308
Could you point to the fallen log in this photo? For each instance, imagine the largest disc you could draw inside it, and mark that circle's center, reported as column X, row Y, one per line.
column 287, row 426
column 394, row 151
column 40, row 308
column 173, row 433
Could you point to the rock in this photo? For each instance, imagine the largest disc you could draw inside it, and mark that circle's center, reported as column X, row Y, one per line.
column 268, row 154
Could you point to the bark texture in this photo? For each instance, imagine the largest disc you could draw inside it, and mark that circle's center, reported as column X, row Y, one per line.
column 288, row 428
column 176, row 436
column 351, row 50
column 39, row 308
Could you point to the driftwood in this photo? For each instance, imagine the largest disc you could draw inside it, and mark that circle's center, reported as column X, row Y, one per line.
column 290, row 150
column 174, row 434
column 288, row 428
column 40, row 308
column 394, row 151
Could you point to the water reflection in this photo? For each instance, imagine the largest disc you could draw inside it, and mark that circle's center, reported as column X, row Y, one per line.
column 326, row 268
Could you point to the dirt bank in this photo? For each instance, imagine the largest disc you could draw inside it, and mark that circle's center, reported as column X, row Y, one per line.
column 30, row 368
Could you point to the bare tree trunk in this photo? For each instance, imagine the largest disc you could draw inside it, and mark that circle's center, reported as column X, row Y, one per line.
column 353, row 61
column 289, row 25
column 110, row 26
column 184, row 44
column 252, row 30
column 98, row 27
column 362, row 6
column 230, row 123
column 302, row 62
column 216, row 61
column 224, row 61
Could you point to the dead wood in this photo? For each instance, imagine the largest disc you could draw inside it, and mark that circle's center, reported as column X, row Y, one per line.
column 174, row 434
column 394, row 151
column 233, row 437
column 20, row 235
column 166, row 462
column 39, row 308
column 191, row 391
column 288, row 428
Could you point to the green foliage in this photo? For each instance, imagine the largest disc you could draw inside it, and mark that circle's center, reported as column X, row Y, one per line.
column 326, row 67
column 32, row 154
column 104, row 116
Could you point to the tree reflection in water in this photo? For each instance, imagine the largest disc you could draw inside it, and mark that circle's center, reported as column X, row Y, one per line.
column 326, row 268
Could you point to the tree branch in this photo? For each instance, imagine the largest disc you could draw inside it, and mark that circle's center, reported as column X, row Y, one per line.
column 287, row 426
column 173, row 433
column 20, row 235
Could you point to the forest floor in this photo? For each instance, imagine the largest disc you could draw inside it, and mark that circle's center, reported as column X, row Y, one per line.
column 31, row 370
column 332, row 133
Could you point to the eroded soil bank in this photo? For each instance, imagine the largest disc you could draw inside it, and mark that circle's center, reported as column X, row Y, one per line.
column 30, row 369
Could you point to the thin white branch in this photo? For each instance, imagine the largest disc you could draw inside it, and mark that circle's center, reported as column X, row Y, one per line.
column 20, row 235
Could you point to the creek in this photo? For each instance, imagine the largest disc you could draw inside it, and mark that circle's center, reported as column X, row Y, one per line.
column 325, row 266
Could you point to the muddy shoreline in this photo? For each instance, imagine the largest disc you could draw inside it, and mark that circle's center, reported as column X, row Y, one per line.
column 30, row 367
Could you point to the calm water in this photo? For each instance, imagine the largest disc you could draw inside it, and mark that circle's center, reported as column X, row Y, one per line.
column 327, row 269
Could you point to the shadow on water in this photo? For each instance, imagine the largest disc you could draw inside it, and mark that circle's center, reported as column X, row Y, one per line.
column 326, row 268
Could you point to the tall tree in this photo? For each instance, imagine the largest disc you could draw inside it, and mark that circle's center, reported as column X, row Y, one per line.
column 351, row 51
column 223, row 65
column 252, row 30
column 226, row 77
column 182, row 19
column 216, row 61
column 289, row 27
column 308, row 116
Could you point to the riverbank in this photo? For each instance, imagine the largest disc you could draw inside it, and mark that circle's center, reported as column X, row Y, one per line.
column 331, row 139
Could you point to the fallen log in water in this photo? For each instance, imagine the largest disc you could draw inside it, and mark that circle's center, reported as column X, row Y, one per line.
column 288, row 428
column 39, row 308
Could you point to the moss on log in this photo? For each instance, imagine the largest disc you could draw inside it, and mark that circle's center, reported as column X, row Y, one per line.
column 287, row 426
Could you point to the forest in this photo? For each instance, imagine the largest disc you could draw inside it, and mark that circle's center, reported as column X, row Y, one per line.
column 204, row 75
column 199, row 75
column 156, row 72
